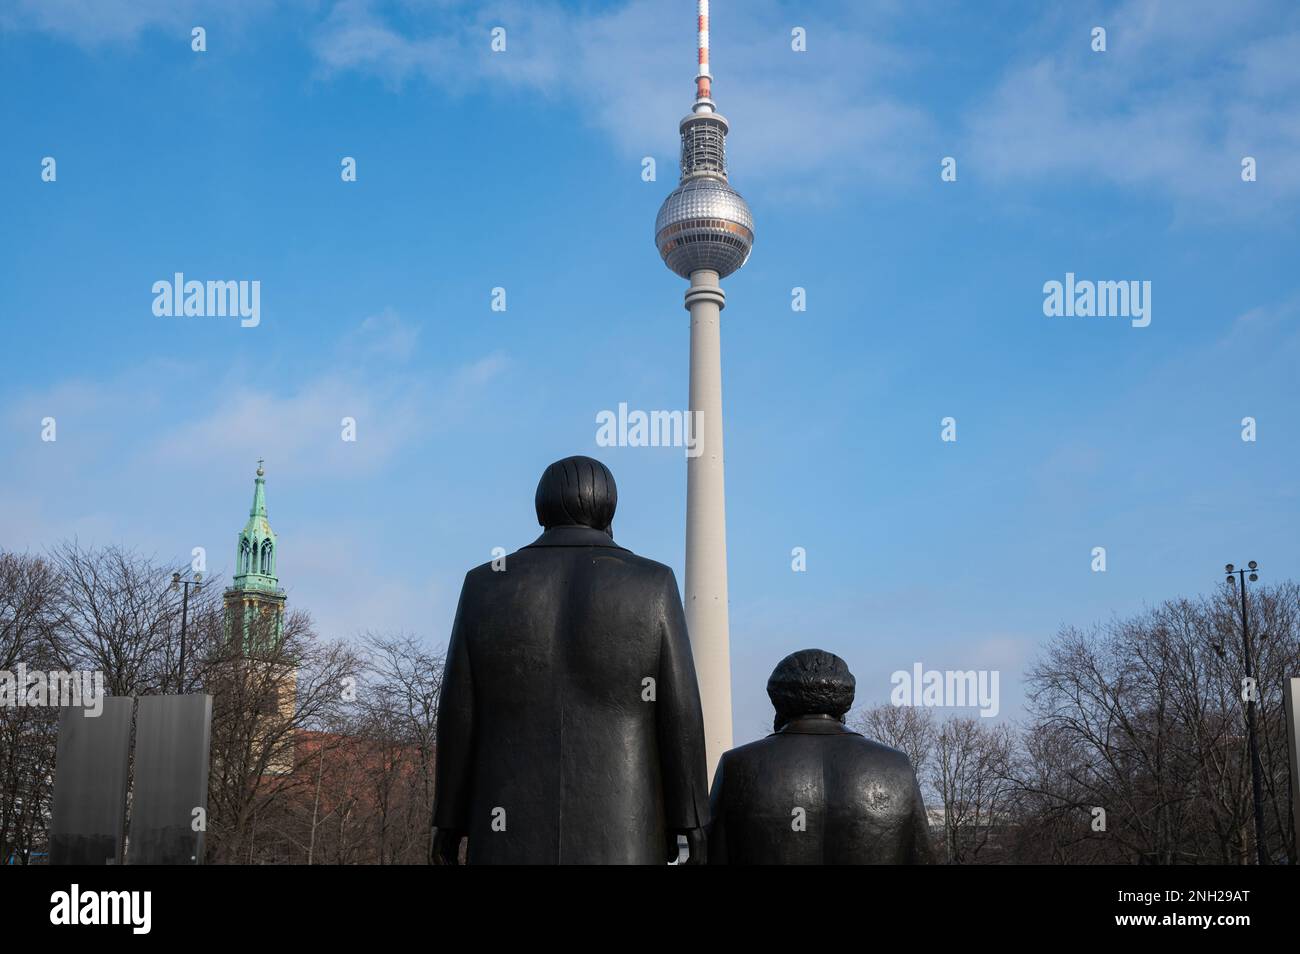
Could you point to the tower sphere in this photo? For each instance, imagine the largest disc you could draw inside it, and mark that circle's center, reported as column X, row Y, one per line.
column 704, row 223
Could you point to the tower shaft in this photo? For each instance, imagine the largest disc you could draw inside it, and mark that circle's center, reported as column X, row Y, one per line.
column 706, row 518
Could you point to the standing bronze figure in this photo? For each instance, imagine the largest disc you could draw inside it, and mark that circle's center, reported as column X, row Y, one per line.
column 569, row 728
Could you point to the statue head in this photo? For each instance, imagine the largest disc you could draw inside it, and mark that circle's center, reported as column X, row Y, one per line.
column 577, row 492
column 810, row 682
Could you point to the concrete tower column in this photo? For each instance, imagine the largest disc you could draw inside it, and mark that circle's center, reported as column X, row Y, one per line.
column 706, row 517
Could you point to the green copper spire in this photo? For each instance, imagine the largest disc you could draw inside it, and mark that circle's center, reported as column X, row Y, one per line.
column 255, row 558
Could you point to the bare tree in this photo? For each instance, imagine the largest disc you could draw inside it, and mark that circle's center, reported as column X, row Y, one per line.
column 263, row 702
column 969, row 772
column 364, row 789
column 29, row 630
column 910, row 729
column 1144, row 718
column 120, row 616
column 400, row 703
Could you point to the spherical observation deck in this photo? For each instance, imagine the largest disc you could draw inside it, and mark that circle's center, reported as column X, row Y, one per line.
column 704, row 223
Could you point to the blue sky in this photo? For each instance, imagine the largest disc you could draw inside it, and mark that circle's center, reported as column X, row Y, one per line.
column 523, row 170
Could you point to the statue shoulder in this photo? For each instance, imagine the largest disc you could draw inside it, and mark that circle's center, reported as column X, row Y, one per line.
column 482, row 573
column 882, row 756
column 651, row 570
column 752, row 753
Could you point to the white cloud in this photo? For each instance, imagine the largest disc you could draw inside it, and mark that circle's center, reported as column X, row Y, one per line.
column 344, row 577
column 141, row 456
column 96, row 23
column 803, row 122
column 1182, row 93
column 302, row 428
column 383, row 335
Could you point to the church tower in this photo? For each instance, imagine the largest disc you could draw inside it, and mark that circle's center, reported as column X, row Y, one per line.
column 255, row 603
column 264, row 675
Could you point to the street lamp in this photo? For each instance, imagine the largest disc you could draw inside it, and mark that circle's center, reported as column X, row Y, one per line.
column 1256, row 769
column 184, row 586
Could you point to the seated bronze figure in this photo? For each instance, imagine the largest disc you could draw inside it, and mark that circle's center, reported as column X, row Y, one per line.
column 815, row 792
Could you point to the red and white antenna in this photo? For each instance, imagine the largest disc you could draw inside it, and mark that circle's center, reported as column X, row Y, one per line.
column 703, row 79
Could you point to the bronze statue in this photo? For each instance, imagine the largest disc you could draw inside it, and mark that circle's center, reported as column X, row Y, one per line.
column 569, row 727
column 815, row 792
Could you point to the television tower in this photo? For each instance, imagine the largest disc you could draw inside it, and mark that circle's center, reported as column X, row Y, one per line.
column 704, row 232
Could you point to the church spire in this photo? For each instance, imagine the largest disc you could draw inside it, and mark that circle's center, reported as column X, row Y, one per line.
column 259, row 492
column 255, row 558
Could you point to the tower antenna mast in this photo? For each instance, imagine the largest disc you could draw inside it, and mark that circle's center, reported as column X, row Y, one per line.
column 703, row 79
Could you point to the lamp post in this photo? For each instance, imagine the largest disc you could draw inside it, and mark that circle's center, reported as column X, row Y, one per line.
column 1256, row 769
column 184, row 585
